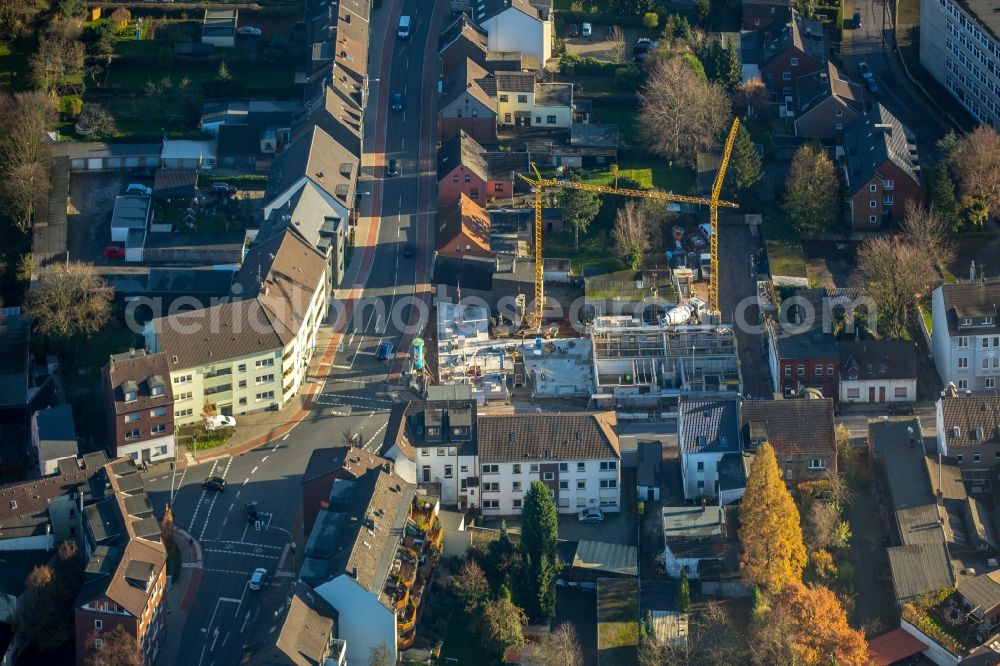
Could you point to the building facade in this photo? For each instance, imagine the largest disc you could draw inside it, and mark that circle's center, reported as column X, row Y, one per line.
column 707, row 430
column 960, row 47
column 516, row 25
column 968, row 430
column 877, row 371
column 966, row 334
column 139, row 406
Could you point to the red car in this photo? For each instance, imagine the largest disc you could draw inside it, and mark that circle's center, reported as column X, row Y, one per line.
column 114, row 252
column 697, row 242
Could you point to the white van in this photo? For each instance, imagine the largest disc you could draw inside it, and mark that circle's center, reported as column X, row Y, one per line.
column 404, row 27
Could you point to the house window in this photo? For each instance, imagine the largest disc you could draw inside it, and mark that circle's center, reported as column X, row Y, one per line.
column 159, row 428
column 506, row 118
column 533, row 468
column 609, row 465
column 517, row 504
column 787, row 76
column 467, row 178
column 241, row 384
column 182, row 379
column 963, row 341
column 243, row 401
column 802, row 370
column 266, row 395
column 564, row 485
column 159, row 411
column 872, row 219
column 498, row 187
column 840, row 126
column 516, row 487
column 976, row 457
column 840, row 113
column 517, row 468
column 829, row 369
column 133, row 434
column 701, row 465
column 440, row 450
column 959, row 458
column 788, row 474
column 887, row 201
column 503, row 98
column 817, row 463
column 98, row 644
column 538, row 120
column 242, row 367
column 581, row 467
column 491, row 487
column 872, row 203
column 548, row 476
column 183, row 396
column 873, row 187
column 581, row 484
column 474, row 193
column 551, row 120
column 491, row 469
column 454, row 178
column 819, row 370
column 888, row 184
column 991, row 382
column 563, row 467
column 788, row 371
column 448, row 471
column 795, row 62
column 986, row 364
column 133, row 417
column 853, row 393
column 963, row 363
column 98, row 625
column 264, row 379
column 491, row 504
column 184, row 412
column 899, row 392
column 522, row 99
column 264, row 363
column 986, row 343
column 609, row 483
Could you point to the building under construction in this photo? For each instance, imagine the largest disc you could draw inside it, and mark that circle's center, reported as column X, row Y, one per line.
column 649, row 364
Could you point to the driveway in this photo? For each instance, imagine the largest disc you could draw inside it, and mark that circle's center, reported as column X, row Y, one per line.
column 616, row 528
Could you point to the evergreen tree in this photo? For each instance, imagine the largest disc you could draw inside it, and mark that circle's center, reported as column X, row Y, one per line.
column 943, row 197
column 773, row 552
column 812, row 191
column 539, row 532
column 684, row 593
column 579, row 209
column 702, row 8
column 730, row 66
column 745, row 165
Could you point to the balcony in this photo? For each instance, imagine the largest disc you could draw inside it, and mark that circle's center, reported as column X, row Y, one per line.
column 413, row 569
column 219, row 372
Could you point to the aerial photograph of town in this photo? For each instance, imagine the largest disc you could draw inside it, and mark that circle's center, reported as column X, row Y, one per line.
column 499, row 332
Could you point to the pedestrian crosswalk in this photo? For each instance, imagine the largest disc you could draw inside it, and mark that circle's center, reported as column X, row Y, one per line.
column 349, row 404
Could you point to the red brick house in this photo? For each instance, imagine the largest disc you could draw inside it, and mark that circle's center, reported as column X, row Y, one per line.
column 793, row 51
column 139, row 406
column 463, row 230
column 803, row 355
column 827, row 103
column 763, row 14
column 461, row 40
column 465, row 105
column 881, row 166
column 326, row 466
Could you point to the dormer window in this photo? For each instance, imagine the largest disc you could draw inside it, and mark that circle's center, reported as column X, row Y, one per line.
column 966, row 321
column 156, row 390
column 131, row 396
column 987, row 321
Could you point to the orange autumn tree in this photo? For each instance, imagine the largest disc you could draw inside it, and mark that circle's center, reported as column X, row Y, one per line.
column 773, row 552
column 817, row 627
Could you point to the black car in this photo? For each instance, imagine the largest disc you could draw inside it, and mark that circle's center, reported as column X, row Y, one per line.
column 252, row 514
column 856, row 22
column 407, row 250
column 216, row 483
column 393, row 168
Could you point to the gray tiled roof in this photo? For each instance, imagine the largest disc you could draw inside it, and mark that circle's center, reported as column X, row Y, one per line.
column 972, row 299
column 551, row 435
column 873, row 139
column 709, row 426
column 877, row 359
column 793, row 426
column 56, row 433
column 919, row 568
column 462, row 149
column 964, row 414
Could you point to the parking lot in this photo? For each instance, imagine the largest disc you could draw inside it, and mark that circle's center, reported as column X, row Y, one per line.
column 616, row 528
column 91, row 202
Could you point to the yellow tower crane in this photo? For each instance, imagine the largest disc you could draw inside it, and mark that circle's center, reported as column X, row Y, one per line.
column 538, row 183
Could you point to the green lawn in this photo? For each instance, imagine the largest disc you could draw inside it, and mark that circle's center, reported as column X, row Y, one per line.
column 617, row 621
column 786, row 259
column 649, row 172
column 13, row 66
column 623, row 116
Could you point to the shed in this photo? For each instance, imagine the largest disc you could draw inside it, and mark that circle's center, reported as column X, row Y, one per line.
column 131, row 212
column 648, row 477
column 175, row 184
column 219, row 27
column 188, row 154
column 601, row 559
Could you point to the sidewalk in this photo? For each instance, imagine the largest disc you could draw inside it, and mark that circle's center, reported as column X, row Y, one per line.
column 180, row 596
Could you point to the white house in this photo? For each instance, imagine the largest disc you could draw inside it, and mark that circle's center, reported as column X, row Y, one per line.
column 692, row 536
column 522, row 102
column 877, row 371
column 966, row 334
column 706, row 431
column 53, row 437
column 577, row 455
column 352, row 551
column 516, row 25
column 252, row 352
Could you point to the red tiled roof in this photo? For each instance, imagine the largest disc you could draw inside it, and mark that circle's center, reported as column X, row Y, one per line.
column 893, row 646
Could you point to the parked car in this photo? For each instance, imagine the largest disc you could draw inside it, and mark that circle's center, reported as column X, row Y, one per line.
column 393, row 168
column 224, row 188
column 384, row 351
column 139, row 188
column 591, row 516
column 407, row 250
column 220, row 421
column 572, row 30
column 872, row 86
column 697, row 242
column 114, row 252
column 257, row 578
column 216, row 483
column 586, row 30
column 249, row 31
column 252, row 514
column 901, row 408
column 398, row 104
column 706, row 230
column 143, row 172
column 866, row 71
column 856, row 21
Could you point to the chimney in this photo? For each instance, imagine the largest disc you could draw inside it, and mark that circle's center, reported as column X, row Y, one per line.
column 972, row 270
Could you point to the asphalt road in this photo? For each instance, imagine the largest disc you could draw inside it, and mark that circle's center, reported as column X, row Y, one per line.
column 355, row 400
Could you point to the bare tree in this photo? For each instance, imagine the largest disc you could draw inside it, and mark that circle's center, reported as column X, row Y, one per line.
column 70, row 300
column 712, row 639
column 976, row 160
column 923, row 229
column 59, row 53
column 894, row 274
column 118, row 648
column 98, row 121
column 617, row 39
column 556, row 648
column 812, row 191
column 24, row 119
column 753, row 96
column 680, row 113
column 824, row 528
column 26, row 189
column 631, row 234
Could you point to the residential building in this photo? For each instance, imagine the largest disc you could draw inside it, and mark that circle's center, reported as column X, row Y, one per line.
column 595, row 144
column 360, row 559
column 326, row 466
column 272, row 116
column 960, row 47
column 788, row 53
column 576, row 455
column 218, row 27
column 966, row 333
column 463, row 229
column 307, row 636
column 968, row 430
column 516, row 25
column 139, row 406
column 15, row 333
column 462, row 40
column 921, row 561
column 53, row 437
column 465, row 106
column 802, row 352
column 131, row 214
column 693, row 539
column 251, row 352
column 877, row 371
column 981, row 599
column 706, row 431
column 179, row 154
column 522, row 102
column 800, row 431
column 764, row 15
column 240, row 148
column 126, row 573
column 649, row 475
column 827, row 103
column 503, row 170
column 462, row 170
column 881, row 169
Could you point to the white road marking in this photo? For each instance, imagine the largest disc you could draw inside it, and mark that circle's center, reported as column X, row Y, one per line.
column 252, row 471
column 246, row 480
column 264, row 459
column 374, row 437
column 241, row 543
column 282, row 439
column 197, row 507
column 211, row 506
column 276, row 446
column 233, row 552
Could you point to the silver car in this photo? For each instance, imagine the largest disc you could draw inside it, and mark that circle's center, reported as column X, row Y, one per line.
column 591, row 516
